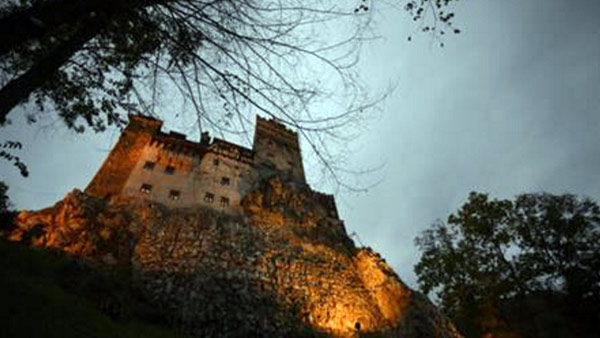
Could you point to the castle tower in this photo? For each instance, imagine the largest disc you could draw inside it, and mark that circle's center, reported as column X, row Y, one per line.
column 117, row 167
column 277, row 148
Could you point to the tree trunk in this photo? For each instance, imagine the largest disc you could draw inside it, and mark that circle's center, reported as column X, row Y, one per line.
column 25, row 24
column 19, row 89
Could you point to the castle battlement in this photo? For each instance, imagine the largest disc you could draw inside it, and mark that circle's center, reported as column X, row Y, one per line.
column 149, row 164
column 276, row 132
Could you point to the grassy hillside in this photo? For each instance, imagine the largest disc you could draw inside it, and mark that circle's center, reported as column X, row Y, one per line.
column 44, row 294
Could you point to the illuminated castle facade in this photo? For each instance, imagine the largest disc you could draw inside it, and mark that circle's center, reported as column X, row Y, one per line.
column 148, row 164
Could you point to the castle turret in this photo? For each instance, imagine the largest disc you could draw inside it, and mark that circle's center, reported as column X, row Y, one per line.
column 277, row 148
column 117, row 167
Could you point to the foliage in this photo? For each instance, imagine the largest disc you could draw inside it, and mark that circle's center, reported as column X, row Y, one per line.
column 7, row 214
column 6, row 152
column 46, row 295
column 441, row 17
column 494, row 254
column 4, row 201
column 95, row 61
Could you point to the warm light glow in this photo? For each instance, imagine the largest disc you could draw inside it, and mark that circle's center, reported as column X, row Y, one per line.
column 335, row 289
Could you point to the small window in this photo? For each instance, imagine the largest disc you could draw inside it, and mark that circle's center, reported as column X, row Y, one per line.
column 291, row 163
column 174, row 195
column 209, row 197
column 224, row 201
column 225, row 181
column 170, row 170
column 268, row 164
column 149, row 165
column 216, row 161
column 270, row 155
column 146, row 188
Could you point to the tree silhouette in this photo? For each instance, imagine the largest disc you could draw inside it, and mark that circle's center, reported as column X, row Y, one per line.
column 494, row 259
column 95, row 61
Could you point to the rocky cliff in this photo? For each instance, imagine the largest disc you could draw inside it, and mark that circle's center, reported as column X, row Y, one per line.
column 283, row 268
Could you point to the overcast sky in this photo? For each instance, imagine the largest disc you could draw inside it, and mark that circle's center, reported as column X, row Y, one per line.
column 508, row 106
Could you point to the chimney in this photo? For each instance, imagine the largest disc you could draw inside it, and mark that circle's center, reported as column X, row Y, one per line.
column 204, row 138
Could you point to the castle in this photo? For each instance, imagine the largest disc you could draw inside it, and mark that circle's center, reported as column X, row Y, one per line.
column 149, row 164
column 287, row 268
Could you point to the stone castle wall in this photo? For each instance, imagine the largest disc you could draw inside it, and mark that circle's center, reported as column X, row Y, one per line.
column 277, row 147
column 114, row 172
column 179, row 179
column 147, row 164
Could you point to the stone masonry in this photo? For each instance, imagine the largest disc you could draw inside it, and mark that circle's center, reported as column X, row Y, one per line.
column 231, row 242
column 149, row 164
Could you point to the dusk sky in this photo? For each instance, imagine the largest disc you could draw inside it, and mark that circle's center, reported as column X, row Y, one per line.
column 510, row 105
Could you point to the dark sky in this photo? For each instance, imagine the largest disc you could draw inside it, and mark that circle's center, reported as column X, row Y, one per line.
column 508, row 106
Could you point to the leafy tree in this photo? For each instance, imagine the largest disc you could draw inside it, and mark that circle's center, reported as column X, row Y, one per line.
column 496, row 258
column 7, row 213
column 7, row 149
column 4, row 201
column 94, row 61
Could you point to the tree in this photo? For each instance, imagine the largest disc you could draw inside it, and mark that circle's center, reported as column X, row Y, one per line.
column 7, row 212
column 7, row 149
column 494, row 258
column 4, row 201
column 95, row 61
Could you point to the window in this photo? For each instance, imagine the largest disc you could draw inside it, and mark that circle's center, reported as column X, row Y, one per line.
column 174, row 195
column 170, row 170
column 224, row 201
column 216, row 161
column 225, row 181
column 270, row 155
column 149, row 165
column 146, row 188
column 209, row 197
column 268, row 164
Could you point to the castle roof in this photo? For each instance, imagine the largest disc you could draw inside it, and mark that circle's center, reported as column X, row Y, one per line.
column 178, row 142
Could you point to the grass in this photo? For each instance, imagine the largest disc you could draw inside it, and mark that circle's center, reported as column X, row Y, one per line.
column 44, row 294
